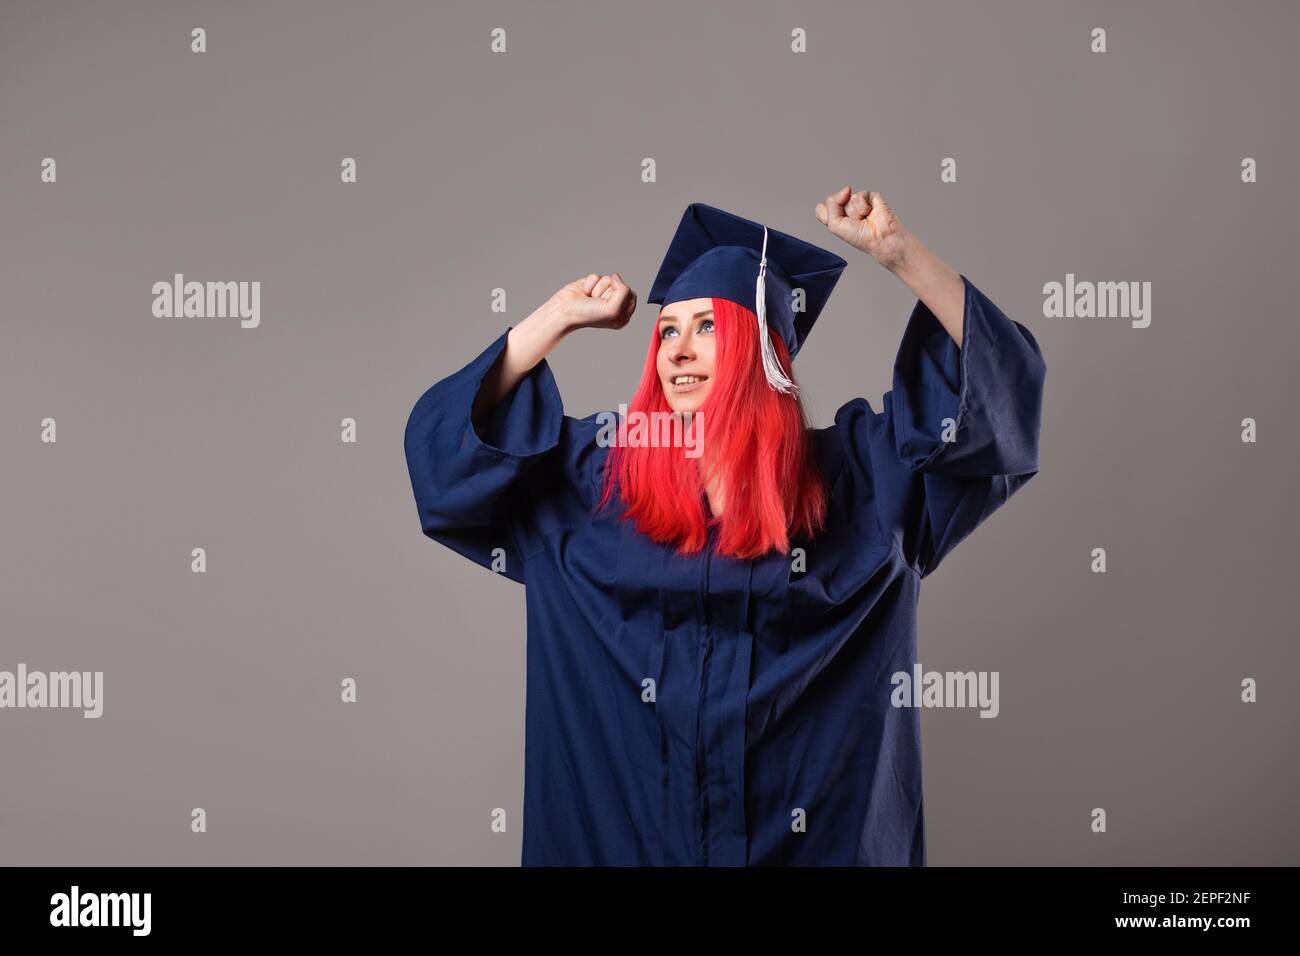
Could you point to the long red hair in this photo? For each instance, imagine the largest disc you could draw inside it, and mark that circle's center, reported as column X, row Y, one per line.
column 753, row 437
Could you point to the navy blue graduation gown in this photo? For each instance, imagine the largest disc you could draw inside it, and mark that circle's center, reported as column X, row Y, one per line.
column 709, row 711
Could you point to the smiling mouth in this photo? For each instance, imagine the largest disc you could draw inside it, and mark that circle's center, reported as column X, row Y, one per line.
column 686, row 383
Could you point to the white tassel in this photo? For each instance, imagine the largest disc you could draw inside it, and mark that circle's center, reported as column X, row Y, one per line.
column 771, row 367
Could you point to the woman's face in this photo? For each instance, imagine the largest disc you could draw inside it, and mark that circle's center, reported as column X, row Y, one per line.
column 685, row 360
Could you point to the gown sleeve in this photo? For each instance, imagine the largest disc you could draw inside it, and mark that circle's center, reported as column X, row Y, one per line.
column 470, row 485
column 929, row 493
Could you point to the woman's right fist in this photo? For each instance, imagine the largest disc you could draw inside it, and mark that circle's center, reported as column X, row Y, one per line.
column 596, row 302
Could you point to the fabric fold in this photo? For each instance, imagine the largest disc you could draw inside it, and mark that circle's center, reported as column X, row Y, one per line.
column 467, row 484
column 985, row 398
column 991, row 387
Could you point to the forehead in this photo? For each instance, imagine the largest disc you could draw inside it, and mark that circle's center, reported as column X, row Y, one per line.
column 685, row 308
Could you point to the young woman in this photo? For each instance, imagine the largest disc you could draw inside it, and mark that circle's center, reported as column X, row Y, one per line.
column 712, row 637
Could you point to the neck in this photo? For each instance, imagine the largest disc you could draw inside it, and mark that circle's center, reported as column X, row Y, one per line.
column 713, row 491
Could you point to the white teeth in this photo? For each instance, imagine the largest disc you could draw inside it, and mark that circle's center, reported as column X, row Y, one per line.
column 685, row 380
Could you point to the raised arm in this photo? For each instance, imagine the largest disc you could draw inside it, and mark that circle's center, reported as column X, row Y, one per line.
column 474, row 438
column 959, row 431
column 865, row 221
column 591, row 302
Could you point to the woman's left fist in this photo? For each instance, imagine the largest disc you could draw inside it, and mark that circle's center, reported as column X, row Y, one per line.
column 865, row 221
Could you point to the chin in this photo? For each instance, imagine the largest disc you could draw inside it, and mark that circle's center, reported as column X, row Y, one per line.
column 683, row 404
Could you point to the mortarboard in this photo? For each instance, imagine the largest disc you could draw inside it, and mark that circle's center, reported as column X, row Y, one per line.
column 717, row 254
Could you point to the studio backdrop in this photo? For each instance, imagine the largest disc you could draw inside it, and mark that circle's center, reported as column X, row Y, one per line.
column 206, row 512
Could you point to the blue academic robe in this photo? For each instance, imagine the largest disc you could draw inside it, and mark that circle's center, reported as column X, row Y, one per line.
column 709, row 711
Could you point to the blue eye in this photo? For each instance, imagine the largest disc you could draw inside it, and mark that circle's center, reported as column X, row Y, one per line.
column 706, row 325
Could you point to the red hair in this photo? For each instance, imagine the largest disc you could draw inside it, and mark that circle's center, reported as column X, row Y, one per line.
column 753, row 437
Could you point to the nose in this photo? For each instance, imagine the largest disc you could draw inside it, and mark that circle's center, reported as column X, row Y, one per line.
column 681, row 348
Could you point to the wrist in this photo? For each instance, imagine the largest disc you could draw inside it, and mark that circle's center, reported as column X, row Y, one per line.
column 553, row 320
column 906, row 258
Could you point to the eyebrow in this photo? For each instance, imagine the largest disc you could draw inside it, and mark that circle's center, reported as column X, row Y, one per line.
column 673, row 318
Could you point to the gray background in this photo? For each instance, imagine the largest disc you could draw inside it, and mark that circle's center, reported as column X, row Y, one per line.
column 522, row 171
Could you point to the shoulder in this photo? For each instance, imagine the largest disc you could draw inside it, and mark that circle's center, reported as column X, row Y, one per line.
column 583, row 447
column 855, row 428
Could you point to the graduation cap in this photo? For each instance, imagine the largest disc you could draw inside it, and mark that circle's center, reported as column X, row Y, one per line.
column 718, row 254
